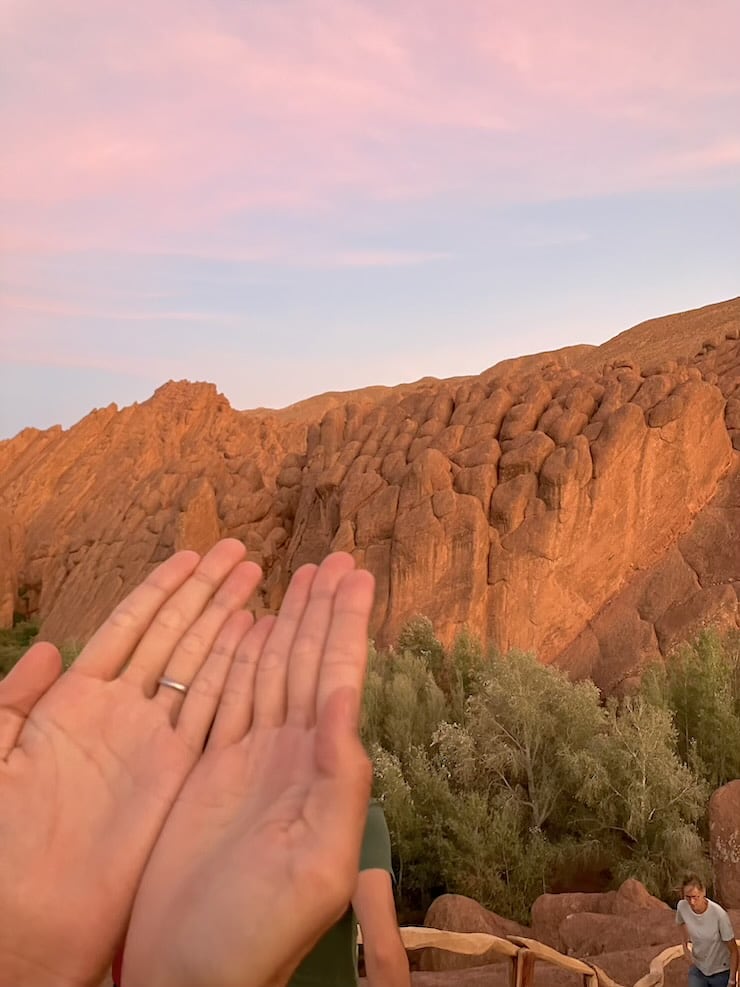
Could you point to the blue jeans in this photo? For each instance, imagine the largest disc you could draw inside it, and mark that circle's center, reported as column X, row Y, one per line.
column 699, row 979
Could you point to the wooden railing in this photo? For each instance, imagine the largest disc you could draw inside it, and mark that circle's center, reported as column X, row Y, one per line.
column 465, row 944
column 522, row 954
column 656, row 975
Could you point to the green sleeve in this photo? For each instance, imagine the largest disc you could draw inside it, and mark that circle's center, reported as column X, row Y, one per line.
column 376, row 843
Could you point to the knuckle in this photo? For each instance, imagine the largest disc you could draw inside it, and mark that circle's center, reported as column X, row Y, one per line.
column 206, row 686
column 123, row 618
column 193, row 644
column 203, row 577
column 307, row 647
column 170, row 619
column 271, row 660
column 246, row 656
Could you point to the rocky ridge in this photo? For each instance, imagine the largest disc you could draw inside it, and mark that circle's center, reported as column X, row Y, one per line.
column 584, row 504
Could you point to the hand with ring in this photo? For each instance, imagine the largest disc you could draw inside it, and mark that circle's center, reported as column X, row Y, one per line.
column 92, row 761
column 259, row 853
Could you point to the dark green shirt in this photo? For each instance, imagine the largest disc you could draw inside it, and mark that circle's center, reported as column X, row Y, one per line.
column 333, row 960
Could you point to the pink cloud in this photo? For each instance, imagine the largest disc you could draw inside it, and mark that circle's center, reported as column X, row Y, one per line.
column 723, row 154
column 135, row 126
column 61, row 309
column 382, row 258
column 149, row 370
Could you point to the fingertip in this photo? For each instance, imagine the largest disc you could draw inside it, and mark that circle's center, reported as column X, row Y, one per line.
column 246, row 572
column 307, row 569
column 34, row 672
column 251, row 564
column 344, row 557
column 363, row 578
column 45, row 655
column 356, row 591
column 233, row 544
column 186, row 556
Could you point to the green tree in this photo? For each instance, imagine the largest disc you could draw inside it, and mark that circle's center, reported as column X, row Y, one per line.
column 13, row 642
column 403, row 705
column 700, row 686
column 499, row 775
column 533, row 729
column 644, row 800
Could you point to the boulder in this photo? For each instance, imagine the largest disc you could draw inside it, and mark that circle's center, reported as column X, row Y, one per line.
column 456, row 913
column 724, row 844
column 589, row 934
column 550, row 913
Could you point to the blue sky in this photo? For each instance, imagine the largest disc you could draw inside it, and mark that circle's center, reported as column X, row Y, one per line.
column 318, row 195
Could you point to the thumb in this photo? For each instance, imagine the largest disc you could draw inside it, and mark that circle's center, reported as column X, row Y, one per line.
column 30, row 678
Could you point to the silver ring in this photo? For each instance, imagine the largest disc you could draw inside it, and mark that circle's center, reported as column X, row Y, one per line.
column 172, row 684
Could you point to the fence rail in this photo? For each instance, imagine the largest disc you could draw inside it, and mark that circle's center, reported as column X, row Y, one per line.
column 522, row 954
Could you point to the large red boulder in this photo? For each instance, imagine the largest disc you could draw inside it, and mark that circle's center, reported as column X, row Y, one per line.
column 724, row 844
column 456, row 913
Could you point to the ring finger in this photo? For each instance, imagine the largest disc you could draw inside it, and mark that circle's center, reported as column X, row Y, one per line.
column 196, row 645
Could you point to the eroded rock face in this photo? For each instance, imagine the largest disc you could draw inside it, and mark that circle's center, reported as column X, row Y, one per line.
column 724, row 843
column 9, row 596
column 582, row 504
column 94, row 508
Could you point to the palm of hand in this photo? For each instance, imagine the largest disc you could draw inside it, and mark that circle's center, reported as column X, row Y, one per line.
column 92, row 760
column 260, row 851
column 271, row 842
column 92, row 750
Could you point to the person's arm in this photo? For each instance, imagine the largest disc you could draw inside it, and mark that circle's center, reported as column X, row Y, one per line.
column 732, row 946
column 386, row 963
column 685, row 939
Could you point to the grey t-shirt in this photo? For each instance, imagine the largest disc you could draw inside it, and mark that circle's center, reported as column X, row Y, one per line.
column 709, row 934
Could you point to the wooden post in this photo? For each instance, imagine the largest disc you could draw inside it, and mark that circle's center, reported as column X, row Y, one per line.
column 525, row 968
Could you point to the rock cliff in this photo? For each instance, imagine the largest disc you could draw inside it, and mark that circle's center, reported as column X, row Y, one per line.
column 584, row 503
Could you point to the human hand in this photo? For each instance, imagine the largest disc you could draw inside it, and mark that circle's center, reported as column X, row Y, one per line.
column 259, row 854
column 91, row 761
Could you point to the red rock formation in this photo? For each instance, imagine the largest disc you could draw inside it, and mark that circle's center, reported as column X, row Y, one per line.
column 724, row 844
column 589, row 934
column 456, row 913
column 619, row 931
column 582, row 504
column 550, row 912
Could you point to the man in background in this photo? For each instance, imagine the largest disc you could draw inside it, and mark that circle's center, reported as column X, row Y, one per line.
column 706, row 925
column 333, row 960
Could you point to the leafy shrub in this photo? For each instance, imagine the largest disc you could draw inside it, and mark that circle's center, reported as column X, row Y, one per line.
column 13, row 642
column 499, row 775
column 700, row 686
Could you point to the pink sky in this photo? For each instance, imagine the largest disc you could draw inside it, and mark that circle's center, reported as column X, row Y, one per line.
column 254, row 132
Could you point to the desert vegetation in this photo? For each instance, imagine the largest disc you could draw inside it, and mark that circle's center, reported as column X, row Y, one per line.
column 14, row 641
column 502, row 779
